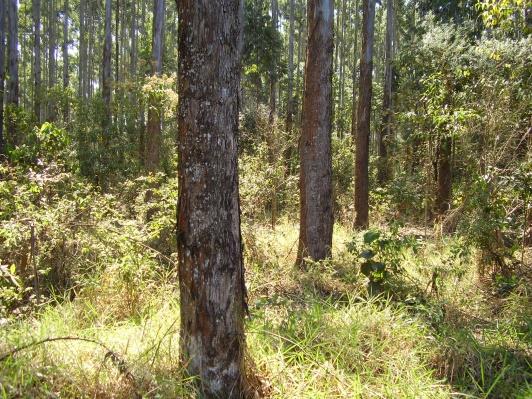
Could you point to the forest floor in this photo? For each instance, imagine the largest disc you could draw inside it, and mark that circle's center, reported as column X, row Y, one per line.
column 440, row 329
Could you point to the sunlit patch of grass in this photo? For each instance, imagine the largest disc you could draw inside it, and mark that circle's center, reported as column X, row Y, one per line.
column 363, row 349
column 146, row 362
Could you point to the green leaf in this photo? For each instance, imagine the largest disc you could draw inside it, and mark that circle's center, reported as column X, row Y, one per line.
column 367, row 254
column 370, row 236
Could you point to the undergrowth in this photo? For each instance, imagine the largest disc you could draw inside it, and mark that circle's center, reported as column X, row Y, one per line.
column 80, row 263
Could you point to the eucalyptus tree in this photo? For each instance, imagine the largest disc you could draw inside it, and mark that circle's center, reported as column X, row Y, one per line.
column 153, row 137
column 364, row 116
column 315, row 180
column 211, row 271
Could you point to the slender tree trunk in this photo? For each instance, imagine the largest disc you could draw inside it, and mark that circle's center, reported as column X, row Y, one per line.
column 290, row 88
column 2, row 74
column 117, row 41
column 211, row 272
column 13, row 83
column 82, row 49
column 316, row 206
column 272, row 153
column 153, row 138
column 355, row 75
column 66, row 76
column 37, row 77
column 107, row 75
column 364, row 116
column 341, row 83
column 133, row 34
column 52, row 62
column 444, row 173
column 386, row 128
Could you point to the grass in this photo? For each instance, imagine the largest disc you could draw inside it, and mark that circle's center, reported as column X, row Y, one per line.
column 311, row 334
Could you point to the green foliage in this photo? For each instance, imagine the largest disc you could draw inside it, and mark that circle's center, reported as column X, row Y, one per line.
column 382, row 254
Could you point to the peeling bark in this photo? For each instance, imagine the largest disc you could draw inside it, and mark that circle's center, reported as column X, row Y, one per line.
column 211, row 273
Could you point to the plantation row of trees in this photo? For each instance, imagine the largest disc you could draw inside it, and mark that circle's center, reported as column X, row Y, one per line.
column 433, row 95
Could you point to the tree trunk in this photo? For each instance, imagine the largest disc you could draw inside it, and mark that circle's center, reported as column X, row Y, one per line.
column 106, row 76
column 133, row 34
column 316, row 206
column 364, row 116
column 37, row 77
column 2, row 73
column 354, row 75
column 117, row 41
column 82, row 49
column 13, row 83
column 290, row 90
column 444, row 180
column 52, row 62
column 153, row 138
column 272, row 153
column 387, row 112
column 211, row 272
column 66, row 78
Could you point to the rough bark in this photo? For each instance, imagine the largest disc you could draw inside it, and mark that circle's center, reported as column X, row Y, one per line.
column 106, row 68
column 316, row 207
column 153, row 137
column 387, row 111
column 364, row 116
column 2, row 74
column 37, row 77
column 211, row 271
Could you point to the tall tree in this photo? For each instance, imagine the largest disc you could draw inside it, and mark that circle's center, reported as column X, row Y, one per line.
column 37, row 73
column 315, row 182
column 12, row 66
column 354, row 72
column 153, row 137
column 2, row 73
column 387, row 111
column 211, row 270
column 106, row 69
column 66, row 77
column 52, row 61
column 364, row 116
column 82, row 68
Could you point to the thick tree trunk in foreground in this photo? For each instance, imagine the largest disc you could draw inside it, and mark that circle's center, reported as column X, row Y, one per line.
column 153, row 137
column 364, row 116
column 211, row 273
column 387, row 112
column 315, row 182
column 2, row 73
column 106, row 77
